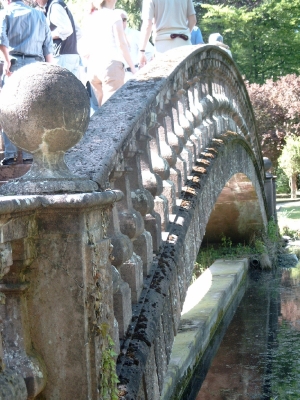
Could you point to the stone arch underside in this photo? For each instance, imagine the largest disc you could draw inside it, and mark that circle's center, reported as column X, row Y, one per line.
column 238, row 210
column 236, row 214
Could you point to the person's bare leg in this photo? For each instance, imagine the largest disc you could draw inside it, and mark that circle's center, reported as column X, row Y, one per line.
column 113, row 79
column 97, row 87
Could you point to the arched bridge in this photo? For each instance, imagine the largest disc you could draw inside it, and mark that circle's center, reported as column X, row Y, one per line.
column 180, row 142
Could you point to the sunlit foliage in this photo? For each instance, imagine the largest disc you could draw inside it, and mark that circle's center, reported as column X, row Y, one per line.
column 264, row 39
column 277, row 111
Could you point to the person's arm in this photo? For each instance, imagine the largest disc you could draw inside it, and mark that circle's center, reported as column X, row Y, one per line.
column 6, row 66
column 191, row 21
column 78, row 31
column 122, row 42
column 48, row 43
column 59, row 18
column 149, row 51
column 49, row 58
column 145, row 36
column 4, row 45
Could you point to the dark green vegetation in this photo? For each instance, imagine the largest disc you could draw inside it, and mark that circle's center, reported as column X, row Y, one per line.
column 209, row 254
column 262, row 247
column 263, row 35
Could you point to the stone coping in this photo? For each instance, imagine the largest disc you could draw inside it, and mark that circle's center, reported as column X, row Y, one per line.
column 206, row 302
column 11, row 204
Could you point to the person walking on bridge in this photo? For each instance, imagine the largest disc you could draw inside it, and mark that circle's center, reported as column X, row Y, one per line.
column 106, row 49
column 133, row 38
column 25, row 38
column 171, row 22
column 65, row 33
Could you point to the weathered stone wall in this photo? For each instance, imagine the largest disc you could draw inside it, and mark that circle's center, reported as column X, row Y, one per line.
column 57, row 294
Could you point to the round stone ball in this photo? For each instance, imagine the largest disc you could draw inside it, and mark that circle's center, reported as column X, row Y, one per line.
column 267, row 163
column 44, row 107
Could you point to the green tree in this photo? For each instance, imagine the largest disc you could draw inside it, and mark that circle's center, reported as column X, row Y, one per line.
column 134, row 9
column 249, row 4
column 289, row 161
column 264, row 39
column 276, row 106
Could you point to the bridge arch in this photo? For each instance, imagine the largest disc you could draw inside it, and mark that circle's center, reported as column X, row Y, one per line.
column 237, row 203
column 173, row 140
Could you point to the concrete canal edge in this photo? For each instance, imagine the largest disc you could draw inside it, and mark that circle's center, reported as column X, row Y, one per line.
column 207, row 300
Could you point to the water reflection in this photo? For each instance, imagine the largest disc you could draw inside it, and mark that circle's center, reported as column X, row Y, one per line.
column 285, row 382
column 259, row 355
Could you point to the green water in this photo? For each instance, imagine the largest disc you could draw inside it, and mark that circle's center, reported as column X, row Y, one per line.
column 259, row 355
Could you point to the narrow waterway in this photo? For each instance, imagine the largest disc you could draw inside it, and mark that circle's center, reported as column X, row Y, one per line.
column 259, row 355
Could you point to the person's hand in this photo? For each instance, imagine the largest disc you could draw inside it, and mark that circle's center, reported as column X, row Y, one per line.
column 143, row 60
column 6, row 67
column 133, row 70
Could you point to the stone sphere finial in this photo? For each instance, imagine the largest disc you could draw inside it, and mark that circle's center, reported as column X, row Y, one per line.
column 267, row 164
column 44, row 109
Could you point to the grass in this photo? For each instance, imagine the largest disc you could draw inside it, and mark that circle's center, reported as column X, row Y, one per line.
column 288, row 216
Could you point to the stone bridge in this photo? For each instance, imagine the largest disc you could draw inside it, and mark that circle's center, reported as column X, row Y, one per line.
column 180, row 142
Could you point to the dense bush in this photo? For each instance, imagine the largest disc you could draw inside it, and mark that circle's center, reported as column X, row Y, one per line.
column 276, row 106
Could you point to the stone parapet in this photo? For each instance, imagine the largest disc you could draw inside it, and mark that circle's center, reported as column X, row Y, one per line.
column 56, row 273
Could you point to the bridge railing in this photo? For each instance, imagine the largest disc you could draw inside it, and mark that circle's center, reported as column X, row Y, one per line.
column 145, row 141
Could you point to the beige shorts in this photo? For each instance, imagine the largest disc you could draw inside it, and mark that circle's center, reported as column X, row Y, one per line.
column 107, row 80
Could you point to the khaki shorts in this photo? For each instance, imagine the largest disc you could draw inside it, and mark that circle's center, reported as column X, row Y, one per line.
column 107, row 80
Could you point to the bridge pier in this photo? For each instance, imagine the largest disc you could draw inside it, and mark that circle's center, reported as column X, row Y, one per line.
column 270, row 190
column 56, row 288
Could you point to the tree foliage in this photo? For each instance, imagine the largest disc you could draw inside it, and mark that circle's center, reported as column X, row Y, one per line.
column 133, row 8
column 249, row 4
column 289, row 161
column 263, row 39
column 276, row 106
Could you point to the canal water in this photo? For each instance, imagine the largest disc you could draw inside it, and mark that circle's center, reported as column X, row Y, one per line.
column 259, row 354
